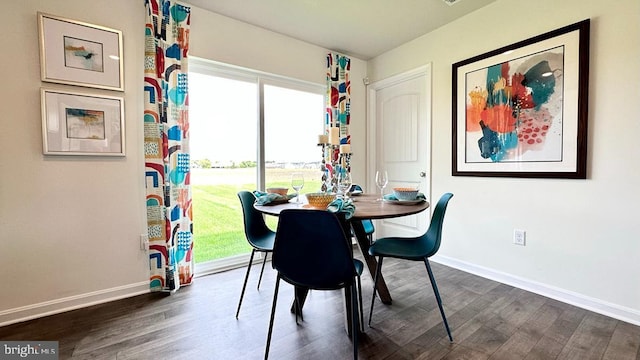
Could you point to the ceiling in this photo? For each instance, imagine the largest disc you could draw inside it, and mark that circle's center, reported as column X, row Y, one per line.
column 360, row 28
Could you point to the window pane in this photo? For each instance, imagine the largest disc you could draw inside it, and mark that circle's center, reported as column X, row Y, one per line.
column 225, row 123
column 293, row 120
column 223, row 128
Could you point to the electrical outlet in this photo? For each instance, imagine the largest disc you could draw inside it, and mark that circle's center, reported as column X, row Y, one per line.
column 519, row 237
column 144, row 242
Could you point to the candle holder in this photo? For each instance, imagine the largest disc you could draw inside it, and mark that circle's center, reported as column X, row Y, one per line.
column 323, row 167
column 345, row 161
column 337, row 162
column 335, row 158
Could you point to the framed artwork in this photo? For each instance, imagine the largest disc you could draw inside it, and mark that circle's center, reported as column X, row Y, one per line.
column 76, row 123
column 77, row 53
column 521, row 110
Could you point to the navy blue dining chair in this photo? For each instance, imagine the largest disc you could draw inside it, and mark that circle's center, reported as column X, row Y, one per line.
column 420, row 248
column 258, row 235
column 312, row 251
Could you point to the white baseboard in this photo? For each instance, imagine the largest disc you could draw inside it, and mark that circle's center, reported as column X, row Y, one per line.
column 46, row 308
column 615, row 311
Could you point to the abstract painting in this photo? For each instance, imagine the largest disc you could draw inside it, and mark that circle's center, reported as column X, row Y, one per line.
column 85, row 124
column 83, row 54
column 521, row 110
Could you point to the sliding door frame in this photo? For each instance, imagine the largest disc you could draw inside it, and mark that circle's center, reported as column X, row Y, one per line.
column 261, row 79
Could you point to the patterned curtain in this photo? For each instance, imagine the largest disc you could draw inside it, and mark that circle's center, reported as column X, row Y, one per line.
column 338, row 102
column 338, row 98
column 166, row 145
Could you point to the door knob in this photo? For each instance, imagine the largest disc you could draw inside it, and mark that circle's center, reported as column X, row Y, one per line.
column 423, row 174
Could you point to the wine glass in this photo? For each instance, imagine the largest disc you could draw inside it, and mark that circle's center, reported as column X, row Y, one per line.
column 381, row 181
column 344, row 183
column 297, row 183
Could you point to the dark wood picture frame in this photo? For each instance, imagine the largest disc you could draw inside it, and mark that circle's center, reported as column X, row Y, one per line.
column 522, row 110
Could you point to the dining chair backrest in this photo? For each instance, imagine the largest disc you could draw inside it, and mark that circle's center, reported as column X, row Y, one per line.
column 254, row 225
column 312, row 250
column 367, row 224
column 368, row 227
column 431, row 239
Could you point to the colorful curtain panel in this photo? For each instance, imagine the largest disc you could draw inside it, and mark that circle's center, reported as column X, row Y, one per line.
column 166, row 145
column 338, row 100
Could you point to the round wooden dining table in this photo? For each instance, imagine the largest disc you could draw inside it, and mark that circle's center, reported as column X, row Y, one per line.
column 368, row 207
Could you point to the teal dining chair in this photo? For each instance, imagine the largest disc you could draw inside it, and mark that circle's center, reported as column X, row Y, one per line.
column 369, row 229
column 420, row 248
column 258, row 235
column 312, row 251
column 367, row 224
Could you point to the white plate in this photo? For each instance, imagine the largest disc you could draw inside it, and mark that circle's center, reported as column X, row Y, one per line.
column 405, row 202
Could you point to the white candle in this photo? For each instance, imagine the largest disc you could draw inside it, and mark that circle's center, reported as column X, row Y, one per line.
column 345, row 149
column 323, row 139
column 334, row 135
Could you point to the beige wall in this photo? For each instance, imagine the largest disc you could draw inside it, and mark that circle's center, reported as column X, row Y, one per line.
column 582, row 235
column 70, row 226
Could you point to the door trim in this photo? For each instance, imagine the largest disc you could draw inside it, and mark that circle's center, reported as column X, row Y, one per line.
column 372, row 136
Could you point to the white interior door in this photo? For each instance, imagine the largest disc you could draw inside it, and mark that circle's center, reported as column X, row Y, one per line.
column 400, row 142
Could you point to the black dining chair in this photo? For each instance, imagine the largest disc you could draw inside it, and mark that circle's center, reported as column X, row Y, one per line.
column 312, row 251
column 417, row 249
column 259, row 236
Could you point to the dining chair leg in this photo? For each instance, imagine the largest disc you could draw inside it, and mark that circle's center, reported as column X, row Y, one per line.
column 361, row 320
column 355, row 326
column 375, row 286
column 244, row 286
column 273, row 315
column 298, row 307
column 435, row 291
column 264, row 261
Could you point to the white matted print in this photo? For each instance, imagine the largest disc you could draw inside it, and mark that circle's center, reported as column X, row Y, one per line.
column 82, row 124
column 77, row 53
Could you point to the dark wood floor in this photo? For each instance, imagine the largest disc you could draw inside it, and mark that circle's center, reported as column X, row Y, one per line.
column 489, row 320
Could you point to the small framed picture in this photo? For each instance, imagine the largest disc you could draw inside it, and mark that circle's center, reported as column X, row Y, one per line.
column 76, row 123
column 81, row 54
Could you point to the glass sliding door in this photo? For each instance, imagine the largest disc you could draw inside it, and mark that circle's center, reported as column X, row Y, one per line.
column 222, row 124
column 292, row 121
column 249, row 131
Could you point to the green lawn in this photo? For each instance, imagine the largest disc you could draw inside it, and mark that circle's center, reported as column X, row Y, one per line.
column 217, row 215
